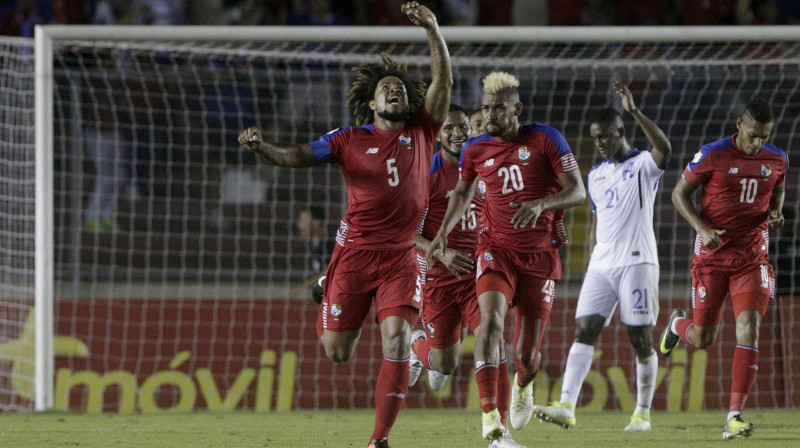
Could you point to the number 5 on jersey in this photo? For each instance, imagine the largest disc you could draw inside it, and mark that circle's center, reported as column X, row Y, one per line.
column 394, row 180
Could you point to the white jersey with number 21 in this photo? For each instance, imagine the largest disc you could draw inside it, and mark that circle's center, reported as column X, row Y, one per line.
column 622, row 198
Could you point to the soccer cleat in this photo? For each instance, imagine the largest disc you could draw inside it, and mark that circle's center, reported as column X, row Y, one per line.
column 383, row 442
column 736, row 427
column 640, row 421
column 414, row 364
column 559, row 413
column 318, row 290
column 436, row 379
column 670, row 340
column 505, row 441
column 521, row 404
column 492, row 426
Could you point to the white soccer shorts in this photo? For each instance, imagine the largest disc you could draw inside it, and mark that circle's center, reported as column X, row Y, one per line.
column 634, row 287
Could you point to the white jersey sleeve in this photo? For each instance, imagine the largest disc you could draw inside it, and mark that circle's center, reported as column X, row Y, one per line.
column 622, row 197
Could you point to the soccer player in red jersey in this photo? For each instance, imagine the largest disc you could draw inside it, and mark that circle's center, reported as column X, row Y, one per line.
column 448, row 286
column 530, row 175
column 476, row 123
column 743, row 180
column 385, row 160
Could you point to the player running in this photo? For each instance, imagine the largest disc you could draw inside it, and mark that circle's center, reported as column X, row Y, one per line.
column 448, row 288
column 743, row 180
column 530, row 174
column 385, row 161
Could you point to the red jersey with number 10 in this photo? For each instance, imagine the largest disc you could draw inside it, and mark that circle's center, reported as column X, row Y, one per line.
column 520, row 170
column 386, row 173
column 736, row 193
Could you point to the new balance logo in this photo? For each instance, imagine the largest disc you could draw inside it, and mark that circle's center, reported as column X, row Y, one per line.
column 372, row 151
column 449, row 193
column 489, row 162
column 733, row 170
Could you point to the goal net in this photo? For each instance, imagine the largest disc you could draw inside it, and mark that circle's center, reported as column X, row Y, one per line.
column 176, row 250
column 17, row 196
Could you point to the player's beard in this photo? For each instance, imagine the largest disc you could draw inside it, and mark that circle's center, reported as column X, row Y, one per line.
column 394, row 116
column 498, row 130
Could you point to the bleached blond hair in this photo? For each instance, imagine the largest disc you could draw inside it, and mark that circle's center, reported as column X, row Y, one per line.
column 500, row 82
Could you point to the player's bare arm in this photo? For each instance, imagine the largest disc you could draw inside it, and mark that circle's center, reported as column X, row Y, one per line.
column 593, row 233
column 456, row 207
column 294, row 156
column 437, row 99
column 682, row 199
column 776, row 207
column 573, row 194
column 456, row 262
column 662, row 149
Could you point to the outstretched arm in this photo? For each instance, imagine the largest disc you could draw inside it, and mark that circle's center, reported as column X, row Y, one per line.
column 573, row 194
column 662, row 149
column 437, row 100
column 682, row 199
column 293, row 156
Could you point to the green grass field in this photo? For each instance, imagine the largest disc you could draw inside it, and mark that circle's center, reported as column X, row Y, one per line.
column 414, row 428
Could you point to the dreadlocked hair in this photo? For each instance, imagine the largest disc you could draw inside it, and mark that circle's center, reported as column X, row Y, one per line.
column 363, row 90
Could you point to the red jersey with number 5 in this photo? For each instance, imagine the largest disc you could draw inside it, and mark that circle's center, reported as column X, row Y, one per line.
column 736, row 193
column 520, row 170
column 386, row 173
column 464, row 236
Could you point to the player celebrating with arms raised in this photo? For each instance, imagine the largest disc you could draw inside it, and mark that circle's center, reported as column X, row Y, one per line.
column 385, row 162
column 623, row 267
column 530, row 175
column 743, row 180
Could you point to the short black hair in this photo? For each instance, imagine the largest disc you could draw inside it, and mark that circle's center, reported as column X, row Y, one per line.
column 457, row 108
column 475, row 111
column 760, row 110
column 606, row 115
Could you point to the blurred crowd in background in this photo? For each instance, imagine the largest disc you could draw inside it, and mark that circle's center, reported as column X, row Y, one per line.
column 18, row 17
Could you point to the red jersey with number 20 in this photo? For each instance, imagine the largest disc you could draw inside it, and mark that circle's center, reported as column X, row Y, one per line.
column 736, row 193
column 464, row 237
column 386, row 173
column 520, row 170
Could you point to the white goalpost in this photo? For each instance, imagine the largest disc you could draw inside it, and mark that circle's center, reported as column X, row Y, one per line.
column 165, row 254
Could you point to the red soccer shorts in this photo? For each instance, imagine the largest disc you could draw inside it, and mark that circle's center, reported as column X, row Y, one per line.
column 356, row 277
column 526, row 279
column 445, row 306
column 750, row 285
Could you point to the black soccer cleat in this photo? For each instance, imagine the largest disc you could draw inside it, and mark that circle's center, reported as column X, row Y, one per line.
column 669, row 340
column 383, row 442
column 318, row 290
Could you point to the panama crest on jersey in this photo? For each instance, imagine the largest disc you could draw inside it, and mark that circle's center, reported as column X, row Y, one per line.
column 431, row 329
column 701, row 292
column 765, row 170
column 336, row 309
column 488, row 257
column 523, row 153
column 405, row 140
column 481, row 187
